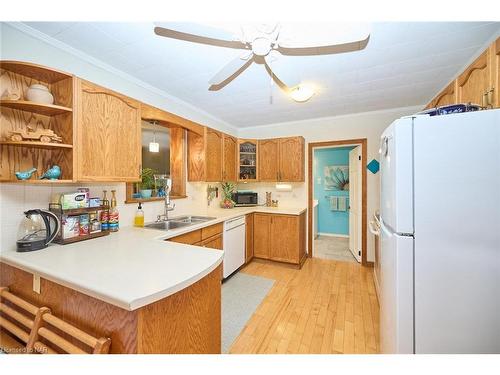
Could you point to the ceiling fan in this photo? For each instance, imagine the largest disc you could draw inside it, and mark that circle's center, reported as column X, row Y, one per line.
column 267, row 43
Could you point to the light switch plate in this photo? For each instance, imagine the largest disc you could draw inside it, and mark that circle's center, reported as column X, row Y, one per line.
column 36, row 283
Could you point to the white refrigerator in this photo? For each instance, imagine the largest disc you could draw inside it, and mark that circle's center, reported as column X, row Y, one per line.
column 440, row 234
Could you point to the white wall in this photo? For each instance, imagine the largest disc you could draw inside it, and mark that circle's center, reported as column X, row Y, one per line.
column 363, row 125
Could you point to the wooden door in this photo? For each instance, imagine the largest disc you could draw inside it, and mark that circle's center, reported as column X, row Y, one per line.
column 291, row 159
column 261, row 235
column 284, row 238
column 213, row 155
column 355, row 202
column 229, row 172
column 108, row 135
column 474, row 82
column 249, row 238
column 268, row 159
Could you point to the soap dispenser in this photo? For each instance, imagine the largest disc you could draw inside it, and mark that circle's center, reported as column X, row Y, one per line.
column 139, row 216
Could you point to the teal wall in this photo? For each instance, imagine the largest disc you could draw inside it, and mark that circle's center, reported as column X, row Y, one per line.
column 333, row 222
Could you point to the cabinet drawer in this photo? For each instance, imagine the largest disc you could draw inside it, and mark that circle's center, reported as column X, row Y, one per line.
column 211, row 231
column 190, row 238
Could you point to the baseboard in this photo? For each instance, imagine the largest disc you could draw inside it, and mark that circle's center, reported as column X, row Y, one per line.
column 334, row 235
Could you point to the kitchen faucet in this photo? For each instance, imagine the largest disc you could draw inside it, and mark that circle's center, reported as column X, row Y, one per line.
column 167, row 207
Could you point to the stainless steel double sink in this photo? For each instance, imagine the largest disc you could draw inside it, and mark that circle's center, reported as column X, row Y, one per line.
column 178, row 222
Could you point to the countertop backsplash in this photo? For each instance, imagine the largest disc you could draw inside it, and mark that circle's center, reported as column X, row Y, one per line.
column 17, row 198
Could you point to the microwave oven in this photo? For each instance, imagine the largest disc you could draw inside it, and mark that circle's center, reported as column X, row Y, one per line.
column 247, row 198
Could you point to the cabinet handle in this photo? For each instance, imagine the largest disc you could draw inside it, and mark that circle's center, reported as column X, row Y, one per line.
column 489, row 97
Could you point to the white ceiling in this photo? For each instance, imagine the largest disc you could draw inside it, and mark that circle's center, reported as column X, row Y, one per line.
column 404, row 64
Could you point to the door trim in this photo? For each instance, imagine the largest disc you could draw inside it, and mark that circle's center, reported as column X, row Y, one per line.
column 364, row 224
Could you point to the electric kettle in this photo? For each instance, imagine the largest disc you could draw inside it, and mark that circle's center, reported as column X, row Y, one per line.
column 36, row 231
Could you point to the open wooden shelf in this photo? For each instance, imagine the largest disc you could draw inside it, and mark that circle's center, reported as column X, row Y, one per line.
column 36, row 71
column 38, row 182
column 35, row 144
column 41, row 109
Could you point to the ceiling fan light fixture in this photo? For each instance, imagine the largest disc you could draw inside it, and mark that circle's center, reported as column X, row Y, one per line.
column 301, row 93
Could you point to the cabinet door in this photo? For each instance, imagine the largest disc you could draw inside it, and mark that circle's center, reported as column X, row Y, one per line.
column 494, row 97
column 268, row 159
column 108, row 135
column 284, row 238
column 474, row 82
column 229, row 165
column 213, row 155
column 447, row 96
column 261, row 235
column 291, row 159
column 213, row 242
column 249, row 238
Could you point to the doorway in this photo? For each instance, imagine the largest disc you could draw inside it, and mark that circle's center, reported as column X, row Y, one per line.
column 337, row 200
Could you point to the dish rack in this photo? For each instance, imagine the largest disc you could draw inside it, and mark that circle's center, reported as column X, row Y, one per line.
column 57, row 209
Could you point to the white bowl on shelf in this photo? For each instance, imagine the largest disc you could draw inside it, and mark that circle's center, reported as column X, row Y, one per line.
column 39, row 94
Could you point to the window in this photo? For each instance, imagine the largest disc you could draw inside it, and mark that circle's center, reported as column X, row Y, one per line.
column 162, row 155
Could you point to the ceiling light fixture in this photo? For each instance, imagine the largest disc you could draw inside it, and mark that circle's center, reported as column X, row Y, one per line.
column 301, row 93
column 154, row 146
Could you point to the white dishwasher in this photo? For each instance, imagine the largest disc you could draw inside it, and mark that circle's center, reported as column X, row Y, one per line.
column 234, row 245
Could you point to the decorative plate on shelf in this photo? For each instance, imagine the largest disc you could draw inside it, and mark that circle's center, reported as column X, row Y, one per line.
column 449, row 109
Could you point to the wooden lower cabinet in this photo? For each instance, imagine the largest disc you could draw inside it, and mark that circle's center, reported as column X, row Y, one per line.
column 214, row 242
column 261, row 235
column 280, row 237
column 210, row 237
column 249, row 237
column 187, row 322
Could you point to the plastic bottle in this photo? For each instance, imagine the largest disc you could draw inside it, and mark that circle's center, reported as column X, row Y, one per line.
column 114, row 218
column 139, row 216
column 105, row 212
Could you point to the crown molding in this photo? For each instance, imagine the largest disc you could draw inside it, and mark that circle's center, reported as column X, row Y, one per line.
column 117, row 72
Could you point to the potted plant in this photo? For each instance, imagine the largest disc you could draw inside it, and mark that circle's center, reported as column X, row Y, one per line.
column 227, row 195
column 147, row 182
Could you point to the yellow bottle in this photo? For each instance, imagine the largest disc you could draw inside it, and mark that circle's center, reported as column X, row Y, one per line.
column 139, row 217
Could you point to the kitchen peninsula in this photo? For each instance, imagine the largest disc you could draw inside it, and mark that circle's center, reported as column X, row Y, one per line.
column 147, row 295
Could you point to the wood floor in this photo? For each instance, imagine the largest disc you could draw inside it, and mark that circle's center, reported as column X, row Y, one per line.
column 326, row 307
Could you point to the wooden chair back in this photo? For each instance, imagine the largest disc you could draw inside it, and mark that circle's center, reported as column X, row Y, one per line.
column 21, row 319
column 95, row 345
column 31, row 325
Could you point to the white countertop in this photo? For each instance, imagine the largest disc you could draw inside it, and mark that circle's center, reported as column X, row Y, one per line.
column 133, row 267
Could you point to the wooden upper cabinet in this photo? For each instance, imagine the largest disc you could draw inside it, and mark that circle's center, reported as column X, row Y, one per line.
column 447, row 96
column 478, row 84
column 261, row 235
column 291, row 159
column 205, row 156
column 494, row 95
column 229, row 171
column 268, row 159
column 474, row 82
column 108, row 135
column 213, row 155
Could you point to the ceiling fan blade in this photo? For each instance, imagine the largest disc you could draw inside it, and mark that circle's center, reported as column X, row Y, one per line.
column 283, row 74
column 197, row 33
column 324, row 50
column 319, row 34
column 230, row 71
